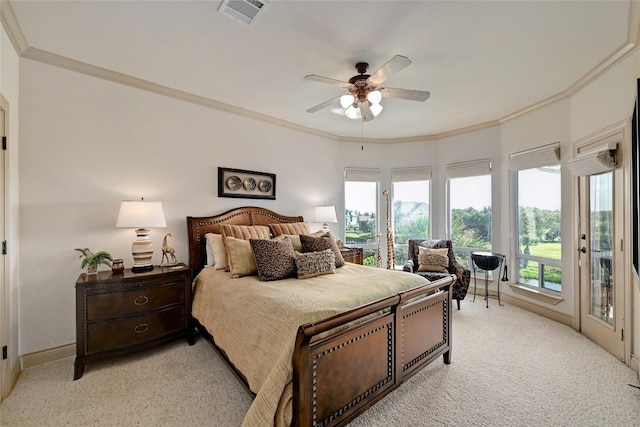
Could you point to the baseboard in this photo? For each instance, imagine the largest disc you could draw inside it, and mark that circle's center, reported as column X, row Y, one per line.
column 542, row 311
column 49, row 355
column 14, row 374
column 635, row 364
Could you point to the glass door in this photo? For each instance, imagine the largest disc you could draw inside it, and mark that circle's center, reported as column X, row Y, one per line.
column 601, row 293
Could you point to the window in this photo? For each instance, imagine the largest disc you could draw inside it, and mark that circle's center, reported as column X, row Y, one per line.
column 538, row 200
column 361, row 214
column 469, row 206
column 411, row 208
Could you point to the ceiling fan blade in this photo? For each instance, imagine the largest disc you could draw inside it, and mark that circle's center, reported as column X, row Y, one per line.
column 365, row 110
column 410, row 94
column 392, row 66
column 328, row 80
column 323, row 105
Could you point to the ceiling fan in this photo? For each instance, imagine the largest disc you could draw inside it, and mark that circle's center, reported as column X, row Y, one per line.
column 363, row 100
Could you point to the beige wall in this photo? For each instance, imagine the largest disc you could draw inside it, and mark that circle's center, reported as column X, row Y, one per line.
column 86, row 144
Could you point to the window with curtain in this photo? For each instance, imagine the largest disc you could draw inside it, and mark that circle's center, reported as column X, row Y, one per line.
column 538, row 196
column 361, row 211
column 411, row 216
column 469, row 207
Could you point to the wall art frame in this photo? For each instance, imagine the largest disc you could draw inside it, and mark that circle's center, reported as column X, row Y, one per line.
column 245, row 184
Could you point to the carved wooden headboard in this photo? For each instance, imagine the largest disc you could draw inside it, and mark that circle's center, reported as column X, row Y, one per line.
column 197, row 227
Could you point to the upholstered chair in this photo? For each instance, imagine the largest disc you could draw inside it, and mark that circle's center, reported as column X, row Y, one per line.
column 463, row 275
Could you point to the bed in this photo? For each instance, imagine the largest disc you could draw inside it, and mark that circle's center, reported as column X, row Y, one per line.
column 341, row 343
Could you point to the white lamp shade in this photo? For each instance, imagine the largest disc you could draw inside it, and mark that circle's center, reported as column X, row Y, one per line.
column 352, row 112
column 141, row 214
column 374, row 97
column 376, row 109
column 325, row 214
column 346, row 100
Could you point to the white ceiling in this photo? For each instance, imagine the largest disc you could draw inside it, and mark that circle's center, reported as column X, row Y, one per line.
column 482, row 61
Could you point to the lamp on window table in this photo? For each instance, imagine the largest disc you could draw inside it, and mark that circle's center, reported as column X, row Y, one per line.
column 325, row 215
column 141, row 215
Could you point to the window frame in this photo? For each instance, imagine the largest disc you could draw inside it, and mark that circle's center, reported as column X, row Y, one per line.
column 371, row 175
column 546, row 155
column 413, row 174
column 468, row 169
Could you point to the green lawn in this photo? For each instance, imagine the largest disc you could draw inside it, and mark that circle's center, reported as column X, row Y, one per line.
column 547, row 250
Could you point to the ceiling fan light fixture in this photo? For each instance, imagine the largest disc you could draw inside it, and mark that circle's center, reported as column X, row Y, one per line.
column 352, row 112
column 374, row 97
column 347, row 100
column 376, row 109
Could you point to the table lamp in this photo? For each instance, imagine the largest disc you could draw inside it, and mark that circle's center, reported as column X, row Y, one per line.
column 141, row 215
column 325, row 214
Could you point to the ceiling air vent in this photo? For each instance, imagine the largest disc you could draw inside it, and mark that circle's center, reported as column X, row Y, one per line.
column 244, row 11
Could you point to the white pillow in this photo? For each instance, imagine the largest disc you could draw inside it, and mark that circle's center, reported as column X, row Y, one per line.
column 216, row 253
column 210, row 260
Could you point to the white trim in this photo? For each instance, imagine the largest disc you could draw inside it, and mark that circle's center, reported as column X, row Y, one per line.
column 12, row 27
column 467, row 169
column 21, row 45
column 563, row 318
column 5, row 282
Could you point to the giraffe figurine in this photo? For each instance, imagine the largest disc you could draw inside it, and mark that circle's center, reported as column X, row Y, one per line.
column 167, row 252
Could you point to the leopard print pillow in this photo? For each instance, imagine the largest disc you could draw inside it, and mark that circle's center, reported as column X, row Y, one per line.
column 311, row 264
column 275, row 259
column 316, row 244
column 435, row 260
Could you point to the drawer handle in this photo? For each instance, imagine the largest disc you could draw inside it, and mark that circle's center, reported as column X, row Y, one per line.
column 142, row 327
column 141, row 300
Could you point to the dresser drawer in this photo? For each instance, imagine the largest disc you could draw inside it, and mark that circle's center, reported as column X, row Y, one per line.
column 114, row 334
column 139, row 300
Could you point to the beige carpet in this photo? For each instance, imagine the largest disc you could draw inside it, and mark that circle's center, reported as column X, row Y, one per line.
column 509, row 368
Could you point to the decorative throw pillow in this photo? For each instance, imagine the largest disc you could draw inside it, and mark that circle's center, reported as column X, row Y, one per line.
column 244, row 232
column 317, row 244
column 275, row 259
column 209, row 250
column 295, row 240
column 311, row 264
column 216, row 253
column 435, row 260
column 240, row 257
column 290, row 228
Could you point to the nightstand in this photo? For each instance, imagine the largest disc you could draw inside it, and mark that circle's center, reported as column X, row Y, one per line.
column 353, row 255
column 118, row 314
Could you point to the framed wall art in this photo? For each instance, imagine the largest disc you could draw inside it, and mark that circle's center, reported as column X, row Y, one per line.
column 246, row 184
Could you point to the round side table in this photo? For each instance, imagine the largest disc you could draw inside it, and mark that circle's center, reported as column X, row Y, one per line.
column 486, row 261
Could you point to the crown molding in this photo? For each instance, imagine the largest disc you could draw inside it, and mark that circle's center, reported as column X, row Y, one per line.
column 70, row 64
column 12, row 27
column 19, row 41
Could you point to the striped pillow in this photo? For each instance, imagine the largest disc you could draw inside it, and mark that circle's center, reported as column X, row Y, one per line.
column 290, row 228
column 244, row 232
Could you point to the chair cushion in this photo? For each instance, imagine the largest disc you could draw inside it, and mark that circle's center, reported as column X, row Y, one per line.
column 433, row 259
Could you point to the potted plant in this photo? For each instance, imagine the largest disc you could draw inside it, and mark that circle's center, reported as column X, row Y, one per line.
column 93, row 260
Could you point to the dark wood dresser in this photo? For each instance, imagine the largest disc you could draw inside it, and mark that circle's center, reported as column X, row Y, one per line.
column 118, row 314
column 353, row 255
